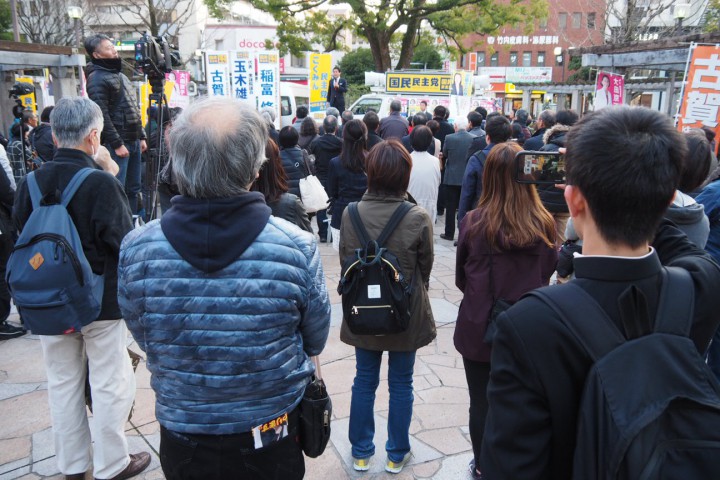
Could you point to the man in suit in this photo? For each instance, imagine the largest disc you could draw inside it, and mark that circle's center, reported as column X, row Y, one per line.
column 617, row 198
column 454, row 152
column 336, row 90
column 424, row 110
column 394, row 125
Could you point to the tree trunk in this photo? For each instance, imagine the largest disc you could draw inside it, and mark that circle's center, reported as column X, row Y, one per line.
column 152, row 18
column 380, row 48
column 408, row 44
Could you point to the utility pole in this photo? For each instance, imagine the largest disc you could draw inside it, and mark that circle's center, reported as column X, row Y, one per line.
column 16, row 26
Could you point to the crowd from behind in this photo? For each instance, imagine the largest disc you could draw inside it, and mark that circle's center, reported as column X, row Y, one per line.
column 225, row 292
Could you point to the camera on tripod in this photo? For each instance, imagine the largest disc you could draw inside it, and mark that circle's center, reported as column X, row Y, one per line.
column 155, row 57
column 18, row 90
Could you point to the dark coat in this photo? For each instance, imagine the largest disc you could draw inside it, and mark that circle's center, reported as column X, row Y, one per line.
column 393, row 126
column 289, row 207
column 373, row 139
column 343, row 187
column 336, row 97
column 445, row 130
column 325, row 148
column 455, row 156
column 539, row 367
column 535, row 142
column 99, row 210
column 472, row 182
column 478, row 143
column 114, row 94
column 42, row 143
column 294, row 165
column 515, row 272
column 412, row 243
column 554, row 198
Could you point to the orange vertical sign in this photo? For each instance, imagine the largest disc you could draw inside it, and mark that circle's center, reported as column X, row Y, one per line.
column 701, row 96
column 472, row 62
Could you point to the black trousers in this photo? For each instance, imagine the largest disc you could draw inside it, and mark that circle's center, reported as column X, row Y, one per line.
column 6, row 248
column 452, row 201
column 231, row 457
column 478, row 377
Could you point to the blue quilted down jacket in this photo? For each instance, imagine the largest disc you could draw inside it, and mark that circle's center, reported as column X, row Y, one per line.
column 228, row 349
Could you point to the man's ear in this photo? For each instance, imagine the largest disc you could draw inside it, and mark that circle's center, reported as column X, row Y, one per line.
column 55, row 142
column 576, row 201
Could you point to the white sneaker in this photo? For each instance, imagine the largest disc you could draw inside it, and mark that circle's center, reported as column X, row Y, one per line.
column 396, row 467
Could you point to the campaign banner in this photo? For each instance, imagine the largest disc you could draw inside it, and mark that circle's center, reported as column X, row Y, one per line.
column 528, row 74
column 320, row 73
column 179, row 96
column 267, row 86
column 461, row 91
column 609, row 90
column 217, row 73
column 242, row 76
column 701, row 95
column 422, row 83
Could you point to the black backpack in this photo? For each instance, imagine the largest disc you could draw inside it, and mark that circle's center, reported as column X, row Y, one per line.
column 650, row 407
column 375, row 293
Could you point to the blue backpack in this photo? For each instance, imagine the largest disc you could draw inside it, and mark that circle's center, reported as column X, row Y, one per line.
column 48, row 275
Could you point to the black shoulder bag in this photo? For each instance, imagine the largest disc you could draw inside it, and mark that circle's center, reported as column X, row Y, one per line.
column 499, row 306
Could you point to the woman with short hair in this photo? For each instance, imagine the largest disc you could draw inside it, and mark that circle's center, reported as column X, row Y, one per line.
column 505, row 249
column 388, row 174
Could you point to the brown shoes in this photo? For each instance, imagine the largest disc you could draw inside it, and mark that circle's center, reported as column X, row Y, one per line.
column 138, row 463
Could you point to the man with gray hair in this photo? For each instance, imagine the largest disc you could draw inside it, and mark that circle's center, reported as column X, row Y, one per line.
column 325, row 147
column 101, row 215
column 545, row 121
column 228, row 302
column 454, row 158
column 394, row 125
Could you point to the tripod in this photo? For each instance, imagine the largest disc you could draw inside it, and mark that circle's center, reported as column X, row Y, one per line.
column 157, row 153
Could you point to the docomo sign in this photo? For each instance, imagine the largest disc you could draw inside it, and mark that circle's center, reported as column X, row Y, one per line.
column 260, row 45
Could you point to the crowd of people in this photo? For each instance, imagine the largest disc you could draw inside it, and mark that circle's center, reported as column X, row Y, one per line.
column 225, row 292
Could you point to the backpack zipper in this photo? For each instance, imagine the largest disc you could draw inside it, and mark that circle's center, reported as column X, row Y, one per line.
column 355, row 308
column 67, row 252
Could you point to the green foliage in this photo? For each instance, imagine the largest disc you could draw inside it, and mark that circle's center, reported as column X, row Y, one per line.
column 712, row 16
column 427, row 56
column 355, row 91
column 354, row 65
column 580, row 74
column 5, row 16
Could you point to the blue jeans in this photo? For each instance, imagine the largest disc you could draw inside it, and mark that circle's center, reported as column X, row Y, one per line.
column 130, row 172
column 362, row 422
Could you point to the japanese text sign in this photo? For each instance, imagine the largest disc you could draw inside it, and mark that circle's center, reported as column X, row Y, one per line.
column 179, row 95
column 242, row 76
column 217, row 68
column 427, row 83
column 609, row 90
column 267, row 86
column 701, row 97
column 320, row 73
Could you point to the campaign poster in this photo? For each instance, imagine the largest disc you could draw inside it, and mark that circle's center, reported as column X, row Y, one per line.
column 320, row 73
column 178, row 81
column 242, row 70
column 217, row 73
column 461, row 90
column 267, row 86
column 701, row 96
column 609, row 90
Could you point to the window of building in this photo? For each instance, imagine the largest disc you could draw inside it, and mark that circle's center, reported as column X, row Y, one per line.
column 513, row 59
column 541, row 59
column 591, row 21
column 576, row 20
column 527, row 59
column 220, row 44
column 543, row 23
column 562, row 21
column 297, row 61
column 494, row 60
column 481, row 59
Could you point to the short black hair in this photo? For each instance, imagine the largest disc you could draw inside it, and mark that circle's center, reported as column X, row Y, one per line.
column 421, row 138
column 698, row 162
column 629, row 186
column 45, row 115
column 395, row 106
column 372, row 121
column 301, row 112
column 475, row 118
column 567, row 117
column 419, row 119
column 498, row 128
column 288, row 137
column 440, row 112
column 330, row 124
column 482, row 111
column 93, row 41
column 522, row 116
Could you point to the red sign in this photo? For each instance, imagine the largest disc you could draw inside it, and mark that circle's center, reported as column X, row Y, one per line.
column 472, row 62
column 282, row 65
column 701, row 98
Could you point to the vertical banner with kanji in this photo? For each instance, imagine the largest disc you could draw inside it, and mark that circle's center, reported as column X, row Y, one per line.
column 701, row 96
column 609, row 90
column 267, row 86
column 179, row 95
column 217, row 73
column 242, row 72
column 320, row 68
column 461, row 90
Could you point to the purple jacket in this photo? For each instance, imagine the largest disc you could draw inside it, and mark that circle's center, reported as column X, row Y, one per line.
column 515, row 272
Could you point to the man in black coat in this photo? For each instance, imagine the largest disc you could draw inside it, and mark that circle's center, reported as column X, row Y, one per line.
column 617, row 197
column 41, row 138
column 325, row 148
column 122, row 134
column 336, row 90
column 545, row 121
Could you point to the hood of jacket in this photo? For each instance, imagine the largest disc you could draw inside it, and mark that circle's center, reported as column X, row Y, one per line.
column 110, row 64
column 212, row 233
column 685, row 210
column 555, row 134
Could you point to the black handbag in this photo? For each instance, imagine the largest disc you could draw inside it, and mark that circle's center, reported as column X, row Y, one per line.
column 499, row 306
column 315, row 413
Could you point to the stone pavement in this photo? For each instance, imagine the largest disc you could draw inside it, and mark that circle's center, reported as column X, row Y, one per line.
column 439, row 435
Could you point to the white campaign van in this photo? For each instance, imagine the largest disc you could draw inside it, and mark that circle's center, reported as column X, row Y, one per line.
column 380, row 103
column 291, row 95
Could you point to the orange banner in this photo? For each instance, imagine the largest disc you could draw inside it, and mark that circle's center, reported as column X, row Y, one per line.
column 701, row 97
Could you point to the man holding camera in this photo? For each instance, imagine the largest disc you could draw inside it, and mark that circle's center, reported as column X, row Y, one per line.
column 123, row 134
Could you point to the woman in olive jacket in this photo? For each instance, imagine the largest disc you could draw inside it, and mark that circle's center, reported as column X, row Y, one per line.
column 388, row 168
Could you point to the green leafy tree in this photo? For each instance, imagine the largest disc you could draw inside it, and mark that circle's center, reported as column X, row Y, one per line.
column 354, row 65
column 5, row 20
column 426, row 55
column 301, row 24
column 712, row 17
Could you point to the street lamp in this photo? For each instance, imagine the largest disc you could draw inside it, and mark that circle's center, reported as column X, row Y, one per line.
column 680, row 13
column 560, row 60
column 76, row 14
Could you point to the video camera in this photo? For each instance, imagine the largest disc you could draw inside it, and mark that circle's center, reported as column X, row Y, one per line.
column 18, row 90
column 155, row 57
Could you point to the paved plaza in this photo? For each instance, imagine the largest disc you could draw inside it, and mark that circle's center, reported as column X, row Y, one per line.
column 439, row 434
